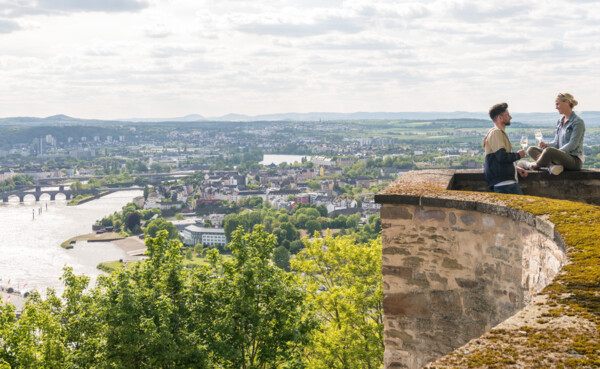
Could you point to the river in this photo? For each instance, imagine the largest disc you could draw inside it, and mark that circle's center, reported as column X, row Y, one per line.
column 30, row 253
column 278, row 159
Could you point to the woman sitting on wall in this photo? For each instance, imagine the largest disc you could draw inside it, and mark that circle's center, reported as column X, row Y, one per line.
column 566, row 150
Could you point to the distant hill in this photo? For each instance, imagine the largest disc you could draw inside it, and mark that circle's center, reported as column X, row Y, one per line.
column 542, row 119
column 187, row 118
column 592, row 118
column 60, row 119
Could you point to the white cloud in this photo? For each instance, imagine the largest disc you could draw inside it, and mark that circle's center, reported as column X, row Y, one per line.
column 157, row 31
column 478, row 12
column 8, row 26
column 91, row 5
column 110, row 59
column 289, row 28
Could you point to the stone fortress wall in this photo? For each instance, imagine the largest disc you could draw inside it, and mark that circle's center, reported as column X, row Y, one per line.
column 455, row 266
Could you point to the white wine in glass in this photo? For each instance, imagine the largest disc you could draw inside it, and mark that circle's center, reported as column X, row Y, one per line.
column 523, row 142
column 538, row 135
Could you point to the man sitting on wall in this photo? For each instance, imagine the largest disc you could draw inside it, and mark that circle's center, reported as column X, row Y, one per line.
column 499, row 169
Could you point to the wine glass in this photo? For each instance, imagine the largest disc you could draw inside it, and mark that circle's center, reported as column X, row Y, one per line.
column 538, row 135
column 523, row 142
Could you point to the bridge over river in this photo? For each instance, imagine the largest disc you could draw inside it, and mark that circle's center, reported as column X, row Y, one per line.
column 37, row 191
column 51, row 187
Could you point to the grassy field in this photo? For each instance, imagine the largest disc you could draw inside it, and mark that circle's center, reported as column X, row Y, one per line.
column 76, row 200
column 112, row 266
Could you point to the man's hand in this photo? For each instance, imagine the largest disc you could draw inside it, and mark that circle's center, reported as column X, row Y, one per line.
column 542, row 145
column 521, row 153
column 522, row 172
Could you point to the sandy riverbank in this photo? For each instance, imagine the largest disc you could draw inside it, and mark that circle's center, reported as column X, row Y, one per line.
column 132, row 245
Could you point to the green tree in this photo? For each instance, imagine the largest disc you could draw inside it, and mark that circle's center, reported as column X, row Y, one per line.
column 22, row 179
column 76, row 185
column 322, row 209
column 340, row 221
column 140, row 181
column 160, row 224
column 309, row 212
column 256, row 310
column 35, row 340
column 281, row 258
column 313, row 226
column 375, row 222
column 296, row 246
column 230, row 223
column 352, row 221
column 133, row 220
column 146, row 317
column 291, row 233
column 94, row 183
column 343, row 281
column 301, row 220
column 313, row 184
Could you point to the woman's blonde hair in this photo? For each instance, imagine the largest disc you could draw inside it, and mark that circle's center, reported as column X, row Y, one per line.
column 565, row 96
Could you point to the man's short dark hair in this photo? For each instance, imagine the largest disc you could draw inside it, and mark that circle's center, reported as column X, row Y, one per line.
column 497, row 110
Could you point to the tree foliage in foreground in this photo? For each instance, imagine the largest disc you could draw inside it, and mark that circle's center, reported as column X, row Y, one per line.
column 240, row 313
column 344, row 285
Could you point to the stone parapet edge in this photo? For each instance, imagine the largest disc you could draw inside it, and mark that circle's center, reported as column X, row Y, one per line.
column 541, row 225
column 561, row 316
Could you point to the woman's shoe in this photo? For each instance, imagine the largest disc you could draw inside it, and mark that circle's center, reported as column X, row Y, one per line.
column 555, row 169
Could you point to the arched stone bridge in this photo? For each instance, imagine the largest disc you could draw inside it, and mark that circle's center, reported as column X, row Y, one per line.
column 38, row 191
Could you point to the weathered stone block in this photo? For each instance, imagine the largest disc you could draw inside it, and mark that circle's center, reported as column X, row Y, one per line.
column 467, row 283
column 415, row 305
column 446, row 304
column 399, row 335
column 397, row 271
column 434, row 277
column 452, row 218
column 398, row 359
column 468, row 219
column 544, row 226
column 496, row 252
column 412, row 261
column 395, row 212
column 521, row 216
column 395, row 251
column 437, row 215
column 451, row 264
column 419, row 279
column 488, row 222
column 493, row 209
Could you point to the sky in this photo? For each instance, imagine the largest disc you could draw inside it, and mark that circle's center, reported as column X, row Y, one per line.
column 117, row 59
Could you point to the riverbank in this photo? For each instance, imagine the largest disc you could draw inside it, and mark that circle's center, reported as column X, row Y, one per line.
column 30, row 251
column 17, row 300
column 87, row 198
column 132, row 245
column 92, row 237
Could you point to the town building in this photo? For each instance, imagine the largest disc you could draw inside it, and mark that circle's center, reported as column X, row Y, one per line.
column 193, row 235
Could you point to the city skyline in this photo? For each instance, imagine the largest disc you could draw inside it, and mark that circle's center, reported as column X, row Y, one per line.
column 125, row 58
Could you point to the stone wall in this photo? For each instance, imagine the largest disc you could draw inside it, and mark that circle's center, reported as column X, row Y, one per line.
column 580, row 186
column 450, row 274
